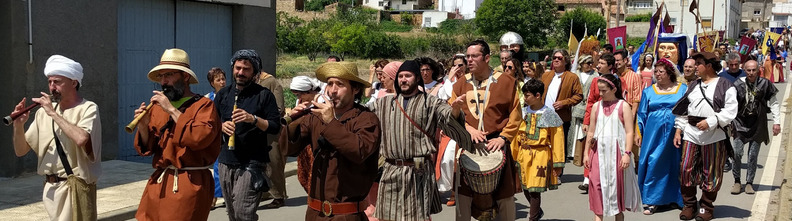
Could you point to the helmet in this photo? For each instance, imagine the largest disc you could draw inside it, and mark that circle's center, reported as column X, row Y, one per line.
column 511, row 38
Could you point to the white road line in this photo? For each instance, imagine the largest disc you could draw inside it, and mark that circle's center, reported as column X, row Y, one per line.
column 762, row 197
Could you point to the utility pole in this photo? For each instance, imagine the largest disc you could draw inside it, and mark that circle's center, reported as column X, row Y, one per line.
column 682, row 16
column 764, row 7
column 618, row 12
column 608, row 10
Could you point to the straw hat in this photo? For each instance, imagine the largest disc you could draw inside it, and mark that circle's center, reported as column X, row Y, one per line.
column 173, row 59
column 343, row 70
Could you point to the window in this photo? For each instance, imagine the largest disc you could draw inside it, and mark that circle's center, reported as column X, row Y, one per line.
column 641, row 4
column 381, row 4
column 561, row 8
column 404, row 2
column 757, row 12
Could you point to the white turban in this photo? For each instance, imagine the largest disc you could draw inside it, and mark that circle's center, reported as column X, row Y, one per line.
column 304, row 83
column 63, row 66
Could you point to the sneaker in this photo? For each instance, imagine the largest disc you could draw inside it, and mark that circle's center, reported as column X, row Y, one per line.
column 749, row 189
column 736, row 189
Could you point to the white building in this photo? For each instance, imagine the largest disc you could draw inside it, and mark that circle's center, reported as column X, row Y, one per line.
column 727, row 16
column 433, row 18
column 397, row 4
column 467, row 8
column 781, row 12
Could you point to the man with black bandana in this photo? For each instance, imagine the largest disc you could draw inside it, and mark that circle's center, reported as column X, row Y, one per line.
column 256, row 115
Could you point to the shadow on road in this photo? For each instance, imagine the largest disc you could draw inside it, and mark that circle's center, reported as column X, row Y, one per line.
column 724, row 211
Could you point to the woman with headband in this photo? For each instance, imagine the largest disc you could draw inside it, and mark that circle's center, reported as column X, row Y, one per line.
column 645, row 69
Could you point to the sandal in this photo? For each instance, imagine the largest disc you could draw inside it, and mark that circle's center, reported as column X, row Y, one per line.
column 649, row 210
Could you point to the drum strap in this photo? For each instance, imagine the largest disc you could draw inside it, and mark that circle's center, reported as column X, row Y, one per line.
column 396, row 99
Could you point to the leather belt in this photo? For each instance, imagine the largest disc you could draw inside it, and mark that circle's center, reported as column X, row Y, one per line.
column 329, row 209
column 53, row 178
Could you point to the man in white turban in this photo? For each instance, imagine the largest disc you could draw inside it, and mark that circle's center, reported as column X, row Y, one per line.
column 66, row 135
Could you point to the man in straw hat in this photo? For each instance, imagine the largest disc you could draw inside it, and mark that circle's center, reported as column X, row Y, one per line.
column 415, row 118
column 492, row 117
column 345, row 139
column 242, row 163
column 182, row 131
column 76, row 123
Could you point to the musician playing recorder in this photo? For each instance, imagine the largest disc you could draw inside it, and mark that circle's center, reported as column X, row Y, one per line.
column 492, row 116
column 345, row 140
column 75, row 121
column 182, row 131
column 248, row 112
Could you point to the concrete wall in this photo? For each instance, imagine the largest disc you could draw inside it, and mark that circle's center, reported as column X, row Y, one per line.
column 68, row 28
column 636, row 29
column 254, row 28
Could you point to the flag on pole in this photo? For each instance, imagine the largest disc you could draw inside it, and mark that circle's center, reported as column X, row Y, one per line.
column 745, row 48
column 770, row 40
column 706, row 41
column 573, row 42
column 577, row 49
column 694, row 7
column 617, row 36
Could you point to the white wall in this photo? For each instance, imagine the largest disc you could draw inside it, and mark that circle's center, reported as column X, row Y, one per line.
column 434, row 19
column 781, row 14
column 726, row 17
column 466, row 7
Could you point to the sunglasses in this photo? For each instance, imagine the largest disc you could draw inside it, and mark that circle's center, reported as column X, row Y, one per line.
column 459, row 65
column 558, row 58
column 509, row 67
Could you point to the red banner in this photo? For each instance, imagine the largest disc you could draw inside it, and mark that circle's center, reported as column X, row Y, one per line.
column 618, row 37
column 746, row 46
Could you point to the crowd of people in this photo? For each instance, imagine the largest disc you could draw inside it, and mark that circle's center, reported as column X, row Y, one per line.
column 647, row 137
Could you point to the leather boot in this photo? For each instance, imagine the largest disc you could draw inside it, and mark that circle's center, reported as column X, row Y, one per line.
column 689, row 199
column 707, row 206
column 535, row 209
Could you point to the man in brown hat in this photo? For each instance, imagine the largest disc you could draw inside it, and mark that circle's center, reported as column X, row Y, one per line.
column 182, row 131
column 708, row 106
column 249, row 113
column 345, row 139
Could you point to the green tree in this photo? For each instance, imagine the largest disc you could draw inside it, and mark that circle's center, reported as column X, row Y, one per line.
column 532, row 19
column 582, row 18
column 346, row 38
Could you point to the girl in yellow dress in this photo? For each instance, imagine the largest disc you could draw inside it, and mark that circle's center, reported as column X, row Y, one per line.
column 538, row 147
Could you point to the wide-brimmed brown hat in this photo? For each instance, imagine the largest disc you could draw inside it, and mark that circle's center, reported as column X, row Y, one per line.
column 343, row 70
column 173, row 59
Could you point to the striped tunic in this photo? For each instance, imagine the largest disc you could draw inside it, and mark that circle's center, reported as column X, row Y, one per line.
column 405, row 192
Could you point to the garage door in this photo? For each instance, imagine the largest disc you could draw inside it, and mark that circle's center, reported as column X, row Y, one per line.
column 145, row 29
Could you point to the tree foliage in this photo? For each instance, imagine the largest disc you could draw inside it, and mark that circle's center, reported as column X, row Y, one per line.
column 582, row 18
column 318, row 5
column 532, row 19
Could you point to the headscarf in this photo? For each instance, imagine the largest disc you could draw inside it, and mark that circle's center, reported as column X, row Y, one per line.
column 391, row 69
column 249, row 55
column 305, row 83
column 63, row 66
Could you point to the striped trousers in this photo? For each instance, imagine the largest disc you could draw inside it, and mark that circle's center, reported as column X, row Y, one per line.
column 702, row 165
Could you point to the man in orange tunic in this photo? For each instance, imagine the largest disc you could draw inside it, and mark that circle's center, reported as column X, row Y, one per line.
column 182, row 131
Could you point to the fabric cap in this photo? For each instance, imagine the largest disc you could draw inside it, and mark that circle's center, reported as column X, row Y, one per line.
column 411, row 66
column 585, row 59
column 705, row 55
column 249, row 55
column 173, row 59
column 391, row 69
column 344, row 70
column 305, row 83
column 63, row 66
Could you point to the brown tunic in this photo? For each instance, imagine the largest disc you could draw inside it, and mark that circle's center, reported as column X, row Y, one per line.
column 502, row 117
column 193, row 141
column 345, row 157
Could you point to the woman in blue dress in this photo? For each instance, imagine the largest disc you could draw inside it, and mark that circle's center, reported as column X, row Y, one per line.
column 658, row 166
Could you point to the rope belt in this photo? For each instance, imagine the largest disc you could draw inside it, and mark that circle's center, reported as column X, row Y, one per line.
column 176, row 174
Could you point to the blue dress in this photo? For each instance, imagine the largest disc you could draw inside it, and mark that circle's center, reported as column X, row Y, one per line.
column 658, row 166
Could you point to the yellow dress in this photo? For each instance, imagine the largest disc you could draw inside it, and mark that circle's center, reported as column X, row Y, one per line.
column 538, row 148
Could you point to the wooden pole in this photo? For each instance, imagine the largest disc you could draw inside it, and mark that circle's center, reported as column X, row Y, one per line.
column 608, row 10
column 618, row 12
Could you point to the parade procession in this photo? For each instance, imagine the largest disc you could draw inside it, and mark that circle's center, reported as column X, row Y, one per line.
column 335, row 110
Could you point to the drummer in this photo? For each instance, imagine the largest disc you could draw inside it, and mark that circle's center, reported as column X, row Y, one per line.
column 408, row 151
column 492, row 117
column 539, row 143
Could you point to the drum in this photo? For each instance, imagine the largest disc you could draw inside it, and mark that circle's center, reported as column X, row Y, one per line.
column 482, row 170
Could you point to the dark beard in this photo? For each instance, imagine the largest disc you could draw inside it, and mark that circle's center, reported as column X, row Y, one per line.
column 56, row 96
column 244, row 83
column 410, row 89
column 174, row 92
